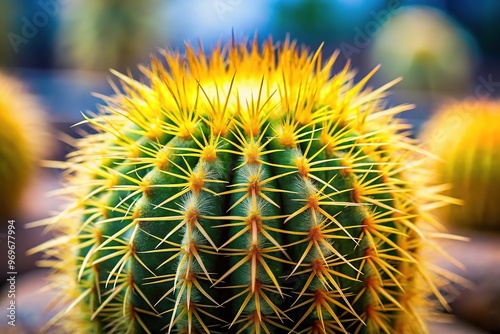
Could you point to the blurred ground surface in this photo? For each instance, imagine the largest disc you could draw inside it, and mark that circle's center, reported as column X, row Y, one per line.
column 456, row 327
column 478, row 304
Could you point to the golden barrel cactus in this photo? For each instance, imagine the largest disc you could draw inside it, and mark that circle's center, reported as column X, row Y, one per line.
column 466, row 136
column 246, row 190
column 23, row 141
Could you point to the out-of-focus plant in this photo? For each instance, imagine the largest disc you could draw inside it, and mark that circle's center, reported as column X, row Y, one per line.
column 466, row 136
column 23, row 141
column 103, row 34
column 427, row 48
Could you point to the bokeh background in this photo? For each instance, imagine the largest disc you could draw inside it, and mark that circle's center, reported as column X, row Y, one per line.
column 62, row 50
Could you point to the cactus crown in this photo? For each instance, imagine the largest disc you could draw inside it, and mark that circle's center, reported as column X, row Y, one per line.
column 243, row 191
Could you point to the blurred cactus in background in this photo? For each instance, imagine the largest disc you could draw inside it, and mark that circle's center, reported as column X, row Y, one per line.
column 246, row 190
column 23, row 141
column 104, row 34
column 466, row 136
column 427, row 48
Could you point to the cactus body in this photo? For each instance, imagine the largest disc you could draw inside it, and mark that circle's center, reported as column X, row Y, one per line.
column 466, row 136
column 244, row 191
column 23, row 141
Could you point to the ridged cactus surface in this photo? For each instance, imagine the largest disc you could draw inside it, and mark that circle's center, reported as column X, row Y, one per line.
column 466, row 136
column 243, row 191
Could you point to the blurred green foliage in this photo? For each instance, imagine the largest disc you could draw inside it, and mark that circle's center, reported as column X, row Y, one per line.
column 103, row 34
